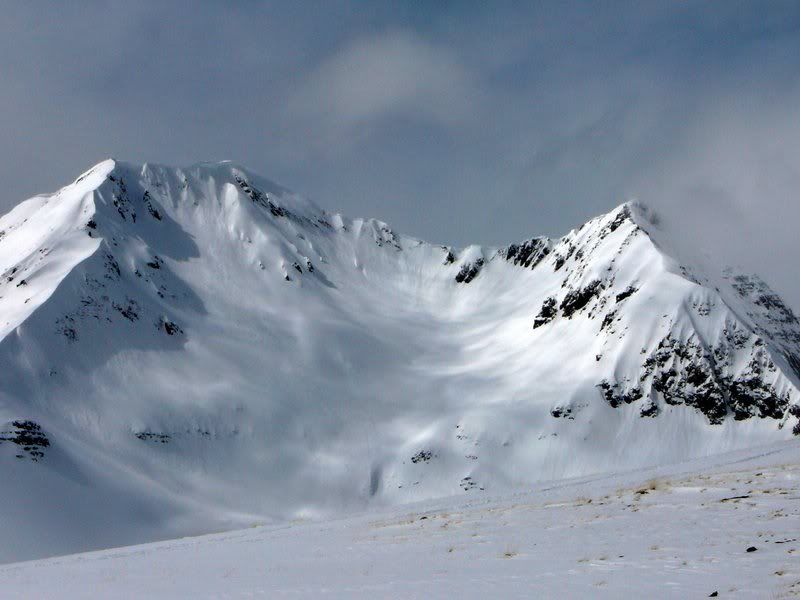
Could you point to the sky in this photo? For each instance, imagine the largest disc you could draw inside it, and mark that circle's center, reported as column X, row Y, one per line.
column 455, row 122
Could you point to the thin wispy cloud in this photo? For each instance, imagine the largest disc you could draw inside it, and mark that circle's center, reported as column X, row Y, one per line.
column 394, row 74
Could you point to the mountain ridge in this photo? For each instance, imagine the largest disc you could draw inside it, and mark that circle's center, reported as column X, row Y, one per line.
column 204, row 349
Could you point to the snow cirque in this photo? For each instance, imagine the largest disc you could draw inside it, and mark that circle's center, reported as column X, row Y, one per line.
column 192, row 350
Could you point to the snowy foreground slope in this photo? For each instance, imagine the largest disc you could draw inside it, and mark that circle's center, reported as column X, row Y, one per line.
column 728, row 524
column 195, row 350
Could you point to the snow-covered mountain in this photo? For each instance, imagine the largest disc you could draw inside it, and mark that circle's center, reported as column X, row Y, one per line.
column 189, row 350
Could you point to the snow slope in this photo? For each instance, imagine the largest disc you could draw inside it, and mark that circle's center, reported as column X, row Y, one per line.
column 194, row 350
column 727, row 525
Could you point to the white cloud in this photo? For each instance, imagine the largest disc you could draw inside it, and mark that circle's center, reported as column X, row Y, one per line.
column 396, row 74
column 732, row 185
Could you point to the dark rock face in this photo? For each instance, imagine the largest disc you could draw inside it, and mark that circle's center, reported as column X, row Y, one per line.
column 623, row 215
column 121, row 200
column 149, row 206
column 469, row 271
column 616, row 395
column 683, row 373
column 386, row 237
column 28, row 435
column 155, row 263
column 608, row 319
column 687, row 373
column 649, row 409
column 562, row 412
column 547, row 313
column 260, row 198
column 626, row 293
column 528, row 254
column 575, row 300
column 129, row 310
column 750, row 396
column 422, row 456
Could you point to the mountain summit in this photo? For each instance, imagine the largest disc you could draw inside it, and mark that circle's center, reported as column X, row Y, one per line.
column 187, row 350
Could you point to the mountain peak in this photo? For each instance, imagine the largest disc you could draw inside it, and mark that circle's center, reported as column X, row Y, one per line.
column 338, row 363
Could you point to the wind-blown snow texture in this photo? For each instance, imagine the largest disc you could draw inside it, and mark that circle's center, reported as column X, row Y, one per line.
column 724, row 525
column 190, row 350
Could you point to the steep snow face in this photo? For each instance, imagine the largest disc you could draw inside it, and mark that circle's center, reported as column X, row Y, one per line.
column 194, row 349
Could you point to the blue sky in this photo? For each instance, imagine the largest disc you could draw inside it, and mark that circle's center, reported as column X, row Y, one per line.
column 456, row 122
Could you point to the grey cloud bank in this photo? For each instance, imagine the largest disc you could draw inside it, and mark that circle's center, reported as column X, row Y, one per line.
column 455, row 122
